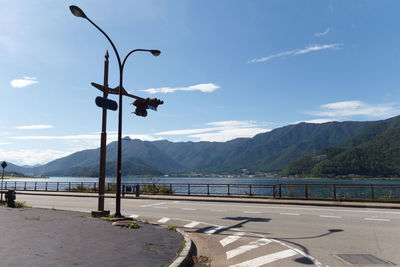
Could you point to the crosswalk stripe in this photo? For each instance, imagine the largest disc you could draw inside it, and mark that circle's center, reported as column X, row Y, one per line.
column 230, row 239
column 191, row 225
column 163, row 220
column 267, row 258
column 212, row 230
column 245, row 248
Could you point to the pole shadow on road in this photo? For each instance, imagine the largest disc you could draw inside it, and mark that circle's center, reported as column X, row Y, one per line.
column 244, row 220
column 305, row 260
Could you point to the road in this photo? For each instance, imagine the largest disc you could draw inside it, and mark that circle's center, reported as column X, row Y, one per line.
column 243, row 234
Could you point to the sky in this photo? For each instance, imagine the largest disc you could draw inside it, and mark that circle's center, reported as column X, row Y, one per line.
column 227, row 69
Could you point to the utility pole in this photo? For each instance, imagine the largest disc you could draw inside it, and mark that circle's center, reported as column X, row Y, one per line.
column 103, row 148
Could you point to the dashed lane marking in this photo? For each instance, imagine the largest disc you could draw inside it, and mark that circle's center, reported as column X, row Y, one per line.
column 245, row 248
column 163, row 220
column 219, row 210
column 230, row 239
column 151, row 205
column 191, row 225
column 330, row 216
column 377, row 219
column 187, row 209
column 252, row 212
column 267, row 258
column 290, row 214
column 160, row 207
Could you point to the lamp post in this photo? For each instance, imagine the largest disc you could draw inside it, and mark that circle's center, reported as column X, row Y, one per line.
column 76, row 11
column 3, row 165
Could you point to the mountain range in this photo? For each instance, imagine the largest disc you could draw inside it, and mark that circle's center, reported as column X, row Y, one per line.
column 267, row 152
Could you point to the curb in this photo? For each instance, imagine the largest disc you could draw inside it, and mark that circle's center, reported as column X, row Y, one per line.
column 185, row 256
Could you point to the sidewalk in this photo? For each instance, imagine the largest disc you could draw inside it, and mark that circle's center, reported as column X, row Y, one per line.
column 42, row 237
column 253, row 200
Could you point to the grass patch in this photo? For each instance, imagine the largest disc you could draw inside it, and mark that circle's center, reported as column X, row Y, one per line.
column 132, row 225
column 171, row 227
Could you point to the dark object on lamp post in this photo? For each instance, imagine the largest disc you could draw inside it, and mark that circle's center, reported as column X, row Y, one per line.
column 76, row 11
column 105, row 103
column 3, row 165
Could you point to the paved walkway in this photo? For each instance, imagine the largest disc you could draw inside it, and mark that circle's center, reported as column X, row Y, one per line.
column 42, row 237
column 355, row 204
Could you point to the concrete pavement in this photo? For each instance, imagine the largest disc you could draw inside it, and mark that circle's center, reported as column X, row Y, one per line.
column 46, row 237
column 257, row 234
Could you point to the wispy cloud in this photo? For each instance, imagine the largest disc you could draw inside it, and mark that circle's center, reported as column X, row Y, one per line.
column 320, row 34
column 349, row 109
column 34, row 127
column 19, row 83
column 81, row 137
column 296, row 52
column 204, row 87
column 220, row 131
column 32, row 156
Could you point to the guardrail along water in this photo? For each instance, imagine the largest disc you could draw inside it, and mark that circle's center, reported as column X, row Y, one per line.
column 317, row 191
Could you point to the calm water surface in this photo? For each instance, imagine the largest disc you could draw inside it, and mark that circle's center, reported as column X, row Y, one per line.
column 216, row 180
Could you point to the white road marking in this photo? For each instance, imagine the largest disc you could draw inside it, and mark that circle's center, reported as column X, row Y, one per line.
column 219, row 210
column 267, row 258
column 230, row 239
column 187, row 209
column 254, row 212
column 377, row 219
column 191, row 225
column 150, row 205
column 366, row 210
column 330, row 216
column 212, row 230
column 163, row 220
column 290, row 214
column 160, row 207
column 135, row 216
column 245, row 248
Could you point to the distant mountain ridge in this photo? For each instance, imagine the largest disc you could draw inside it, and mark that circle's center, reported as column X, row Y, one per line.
column 373, row 152
column 266, row 152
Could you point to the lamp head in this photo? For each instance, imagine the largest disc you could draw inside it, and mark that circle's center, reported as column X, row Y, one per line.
column 77, row 12
column 155, row 53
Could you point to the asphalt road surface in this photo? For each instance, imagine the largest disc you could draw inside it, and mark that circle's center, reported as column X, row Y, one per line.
column 243, row 234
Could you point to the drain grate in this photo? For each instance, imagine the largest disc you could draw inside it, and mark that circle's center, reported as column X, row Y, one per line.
column 364, row 259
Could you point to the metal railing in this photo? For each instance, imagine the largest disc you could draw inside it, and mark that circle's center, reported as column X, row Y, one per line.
column 317, row 191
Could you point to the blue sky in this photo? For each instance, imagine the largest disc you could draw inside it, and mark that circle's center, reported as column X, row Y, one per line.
column 228, row 69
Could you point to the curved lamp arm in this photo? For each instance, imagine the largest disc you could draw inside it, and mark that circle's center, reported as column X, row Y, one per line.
column 76, row 11
column 154, row 52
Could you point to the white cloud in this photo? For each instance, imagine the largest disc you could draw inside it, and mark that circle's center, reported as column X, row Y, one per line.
column 320, row 34
column 310, row 48
column 19, row 83
column 32, row 156
column 34, row 127
column 348, row 109
column 81, row 137
column 204, row 87
column 220, row 131
column 317, row 121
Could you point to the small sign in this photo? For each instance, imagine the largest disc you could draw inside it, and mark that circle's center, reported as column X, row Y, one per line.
column 4, row 164
column 106, row 103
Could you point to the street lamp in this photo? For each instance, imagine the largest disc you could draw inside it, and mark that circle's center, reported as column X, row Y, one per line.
column 76, row 11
